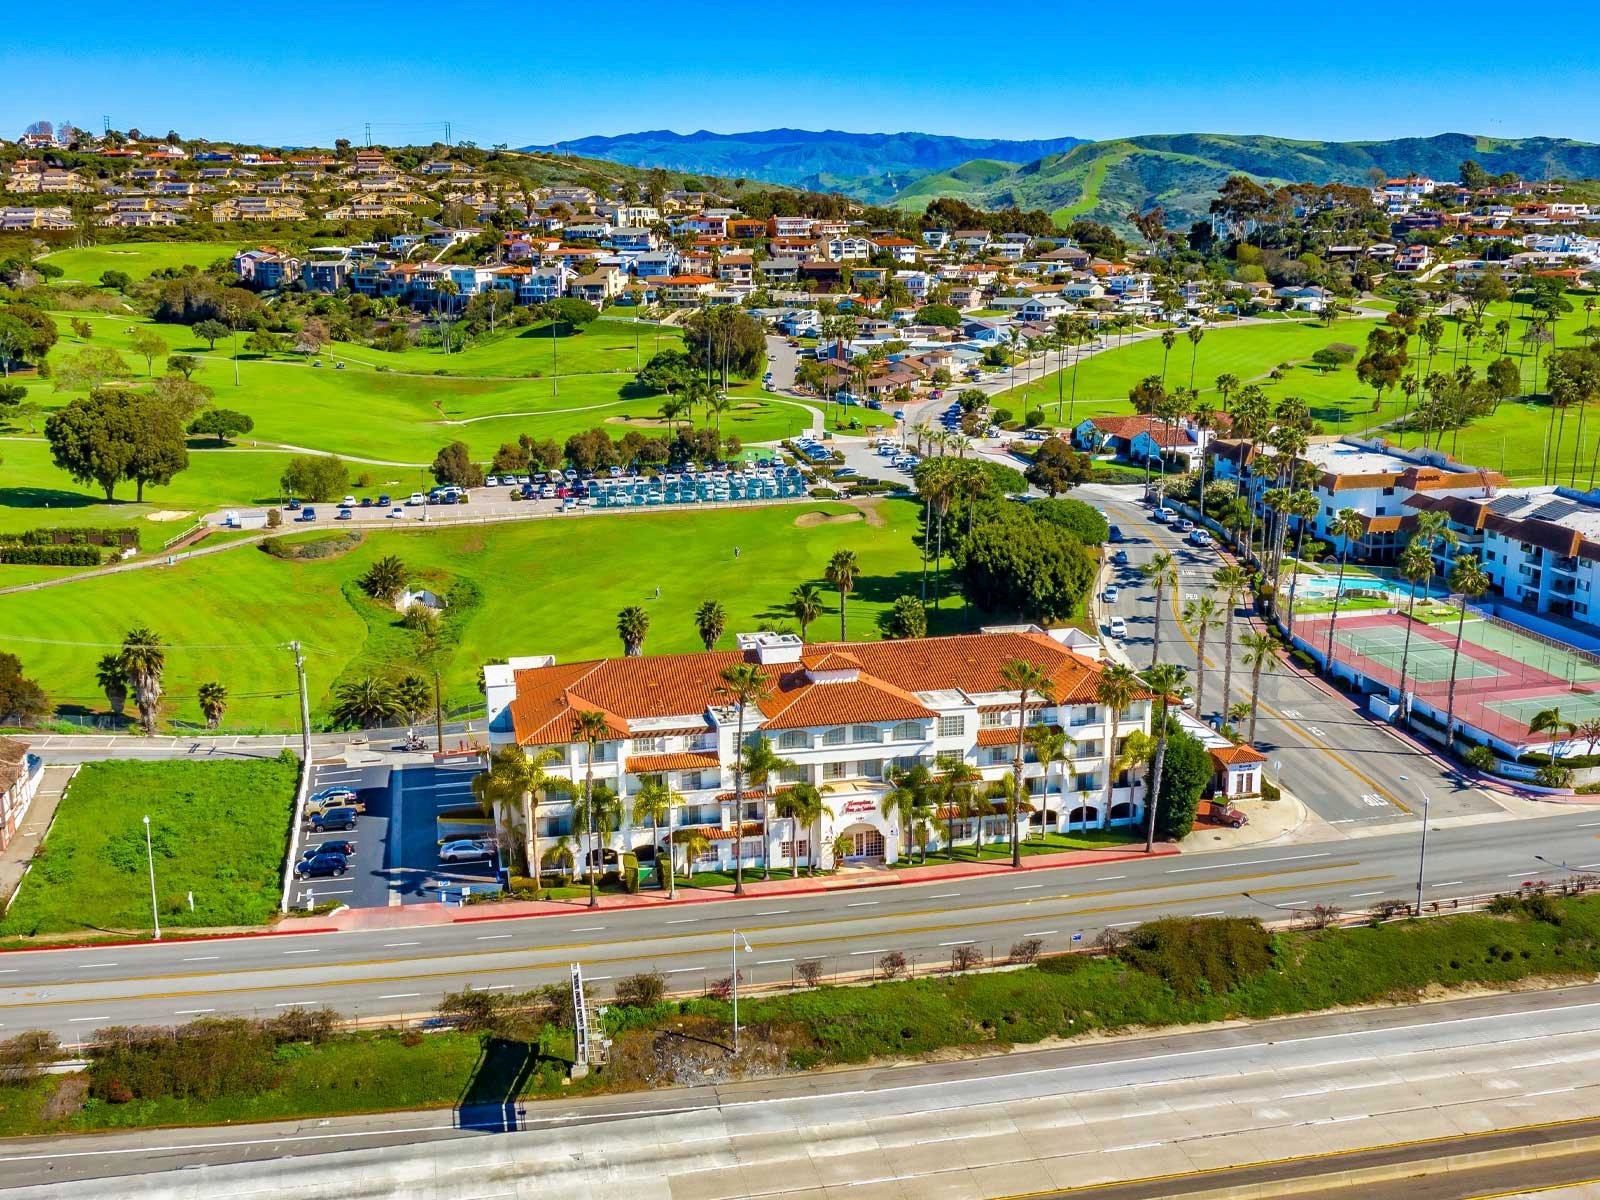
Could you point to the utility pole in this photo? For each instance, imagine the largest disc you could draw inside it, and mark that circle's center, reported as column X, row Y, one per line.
column 305, row 705
column 438, row 713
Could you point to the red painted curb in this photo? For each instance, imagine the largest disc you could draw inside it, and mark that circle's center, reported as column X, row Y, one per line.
column 195, row 937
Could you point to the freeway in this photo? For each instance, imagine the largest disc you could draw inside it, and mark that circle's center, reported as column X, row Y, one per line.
column 402, row 971
column 1411, row 1093
column 1350, row 770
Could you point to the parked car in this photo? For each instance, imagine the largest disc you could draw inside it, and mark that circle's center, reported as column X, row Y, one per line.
column 1220, row 812
column 1161, row 515
column 307, row 514
column 1119, row 628
column 466, row 850
column 323, row 806
column 1110, row 594
column 1115, row 535
column 341, row 847
column 344, row 514
column 321, row 866
column 1183, row 525
column 332, row 795
column 1120, row 558
column 1200, row 538
column 396, row 511
column 348, row 501
column 342, row 818
column 416, row 498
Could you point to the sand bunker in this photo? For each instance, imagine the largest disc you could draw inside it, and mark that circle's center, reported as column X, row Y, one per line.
column 167, row 514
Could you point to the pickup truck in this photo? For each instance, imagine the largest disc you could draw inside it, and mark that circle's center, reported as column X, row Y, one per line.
column 315, row 807
column 1220, row 812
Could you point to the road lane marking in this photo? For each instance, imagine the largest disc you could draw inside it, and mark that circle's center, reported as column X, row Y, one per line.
column 1448, row 883
column 861, row 953
column 684, row 921
column 294, row 1003
column 1214, row 913
column 773, row 912
column 492, row 937
column 945, row 896
column 1254, row 862
column 1027, row 887
column 1040, row 932
column 204, row 958
column 400, row 996
column 391, row 945
column 968, row 942
column 1359, row 895
column 189, row 1012
column 316, row 951
column 91, row 966
column 1109, row 878
column 587, row 929
column 81, row 1020
column 769, row 962
column 687, row 970
column 862, row 904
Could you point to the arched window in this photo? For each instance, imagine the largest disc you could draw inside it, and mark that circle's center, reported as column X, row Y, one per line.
column 909, row 731
column 1083, row 815
column 794, row 739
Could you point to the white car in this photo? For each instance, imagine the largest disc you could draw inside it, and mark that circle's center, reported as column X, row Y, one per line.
column 1161, row 516
column 1119, row 628
column 416, row 498
column 491, row 481
column 466, row 850
column 1110, row 595
column 348, row 502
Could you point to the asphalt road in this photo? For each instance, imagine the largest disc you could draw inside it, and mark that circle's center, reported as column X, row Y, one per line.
column 396, row 972
column 1295, row 1098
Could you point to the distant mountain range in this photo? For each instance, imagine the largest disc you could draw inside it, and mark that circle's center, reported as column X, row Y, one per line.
column 868, row 166
column 1069, row 177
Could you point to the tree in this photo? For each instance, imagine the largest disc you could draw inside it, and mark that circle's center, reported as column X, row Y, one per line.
column 1027, row 680
column 908, row 618
column 842, row 572
column 1166, row 681
column 88, row 369
column 654, row 803
column 1057, row 467
column 1186, row 770
column 365, row 701
column 762, row 767
column 454, row 465
column 632, row 625
column 1467, row 579
column 805, row 603
column 385, row 579
column 710, row 619
column 116, row 281
column 743, row 684
column 262, row 342
column 147, row 344
column 315, row 477
column 1083, row 521
column 1009, row 562
column 183, row 364
column 1259, row 650
column 210, row 331
column 221, row 424
column 1116, row 689
column 947, row 316
column 111, row 680
column 591, row 728
column 1201, row 615
column 518, row 776
column 803, row 805
column 22, row 700
column 1162, row 572
column 110, row 436
column 213, row 698
column 1550, row 720
column 143, row 661
column 1347, row 526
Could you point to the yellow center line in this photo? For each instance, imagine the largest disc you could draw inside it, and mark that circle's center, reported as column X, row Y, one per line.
column 653, row 957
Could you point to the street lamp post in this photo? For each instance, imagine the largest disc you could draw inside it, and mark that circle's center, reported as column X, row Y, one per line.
column 1422, row 854
column 737, row 938
column 150, row 858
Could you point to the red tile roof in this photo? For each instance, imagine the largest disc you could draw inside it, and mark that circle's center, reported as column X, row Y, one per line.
column 1231, row 756
column 650, row 764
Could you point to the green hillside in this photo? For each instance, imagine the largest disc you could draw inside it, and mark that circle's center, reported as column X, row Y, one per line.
column 1181, row 172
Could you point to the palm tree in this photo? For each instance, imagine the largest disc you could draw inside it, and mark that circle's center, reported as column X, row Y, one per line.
column 1202, row 615
column 1467, row 578
column 710, row 619
column 1162, row 572
column 804, row 806
column 1116, row 688
column 213, row 699
column 113, row 681
column 366, row 701
column 632, row 625
column 1550, row 720
column 954, row 789
column 591, row 728
column 695, row 845
column 654, row 803
column 1237, row 712
column 1027, row 680
column 142, row 661
column 385, row 579
column 1259, row 650
column 1231, row 582
column 805, row 602
column 842, row 572
column 1195, row 334
column 1303, row 506
column 514, row 775
column 900, row 801
column 1227, row 385
column 1166, row 681
column 1049, row 748
column 1169, row 339
column 762, row 767
column 1347, row 526
column 744, row 684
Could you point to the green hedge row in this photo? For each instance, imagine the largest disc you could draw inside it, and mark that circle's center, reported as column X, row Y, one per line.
column 51, row 556
column 112, row 535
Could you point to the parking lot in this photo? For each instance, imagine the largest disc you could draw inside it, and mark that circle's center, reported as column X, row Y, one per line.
column 396, row 859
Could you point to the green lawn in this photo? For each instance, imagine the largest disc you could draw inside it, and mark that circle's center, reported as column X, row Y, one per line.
column 547, row 587
column 1049, row 843
column 219, row 831
column 138, row 259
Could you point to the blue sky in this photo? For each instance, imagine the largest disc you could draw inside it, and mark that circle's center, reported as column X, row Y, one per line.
column 295, row 73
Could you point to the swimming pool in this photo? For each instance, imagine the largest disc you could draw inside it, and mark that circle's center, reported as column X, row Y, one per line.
column 1325, row 587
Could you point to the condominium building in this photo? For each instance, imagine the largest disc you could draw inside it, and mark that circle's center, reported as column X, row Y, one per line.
column 844, row 716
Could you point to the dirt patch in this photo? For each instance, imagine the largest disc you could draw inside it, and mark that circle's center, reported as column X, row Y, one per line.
column 811, row 520
column 67, row 1099
column 167, row 514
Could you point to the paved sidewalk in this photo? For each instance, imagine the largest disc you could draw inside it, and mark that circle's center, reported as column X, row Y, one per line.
column 14, row 859
column 443, row 914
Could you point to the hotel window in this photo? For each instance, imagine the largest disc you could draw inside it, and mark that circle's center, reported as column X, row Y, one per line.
column 952, row 726
column 865, row 733
column 910, row 731
column 794, row 739
column 835, row 770
column 649, row 745
column 993, row 720
column 836, row 737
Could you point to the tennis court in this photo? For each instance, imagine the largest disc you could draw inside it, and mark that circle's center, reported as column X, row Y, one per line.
column 1504, row 676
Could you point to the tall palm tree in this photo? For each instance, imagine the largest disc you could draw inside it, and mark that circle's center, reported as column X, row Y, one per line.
column 1169, row 339
column 143, row 661
column 695, row 844
column 1259, row 649
column 632, row 625
column 1166, row 681
column 1227, row 385
column 591, row 728
column 1303, row 506
column 1347, row 526
column 516, row 776
column 653, row 803
column 762, row 766
column 1027, row 680
column 1467, row 578
column 1202, row 616
column 710, row 619
column 804, row 807
column 842, row 572
column 1550, row 720
column 743, row 684
column 1116, row 688
column 1049, row 747
column 1195, row 334
column 213, row 699
column 954, row 789
column 1162, row 572
column 113, row 681
column 1232, row 581
column 805, row 602
column 899, row 801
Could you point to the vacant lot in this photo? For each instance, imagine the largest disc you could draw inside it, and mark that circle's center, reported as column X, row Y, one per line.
column 219, row 831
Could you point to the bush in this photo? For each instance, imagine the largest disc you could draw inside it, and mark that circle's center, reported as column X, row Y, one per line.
column 1199, row 955
column 1027, row 950
column 1480, row 758
column 51, row 556
column 203, row 1060
column 24, row 1056
column 892, row 964
column 274, row 518
column 824, row 493
column 965, row 958
column 810, row 972
column 643, row 990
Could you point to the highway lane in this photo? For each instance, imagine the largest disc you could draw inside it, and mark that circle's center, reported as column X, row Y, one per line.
column 1297, row 1092
column 399, row 972
column 1345, row 767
